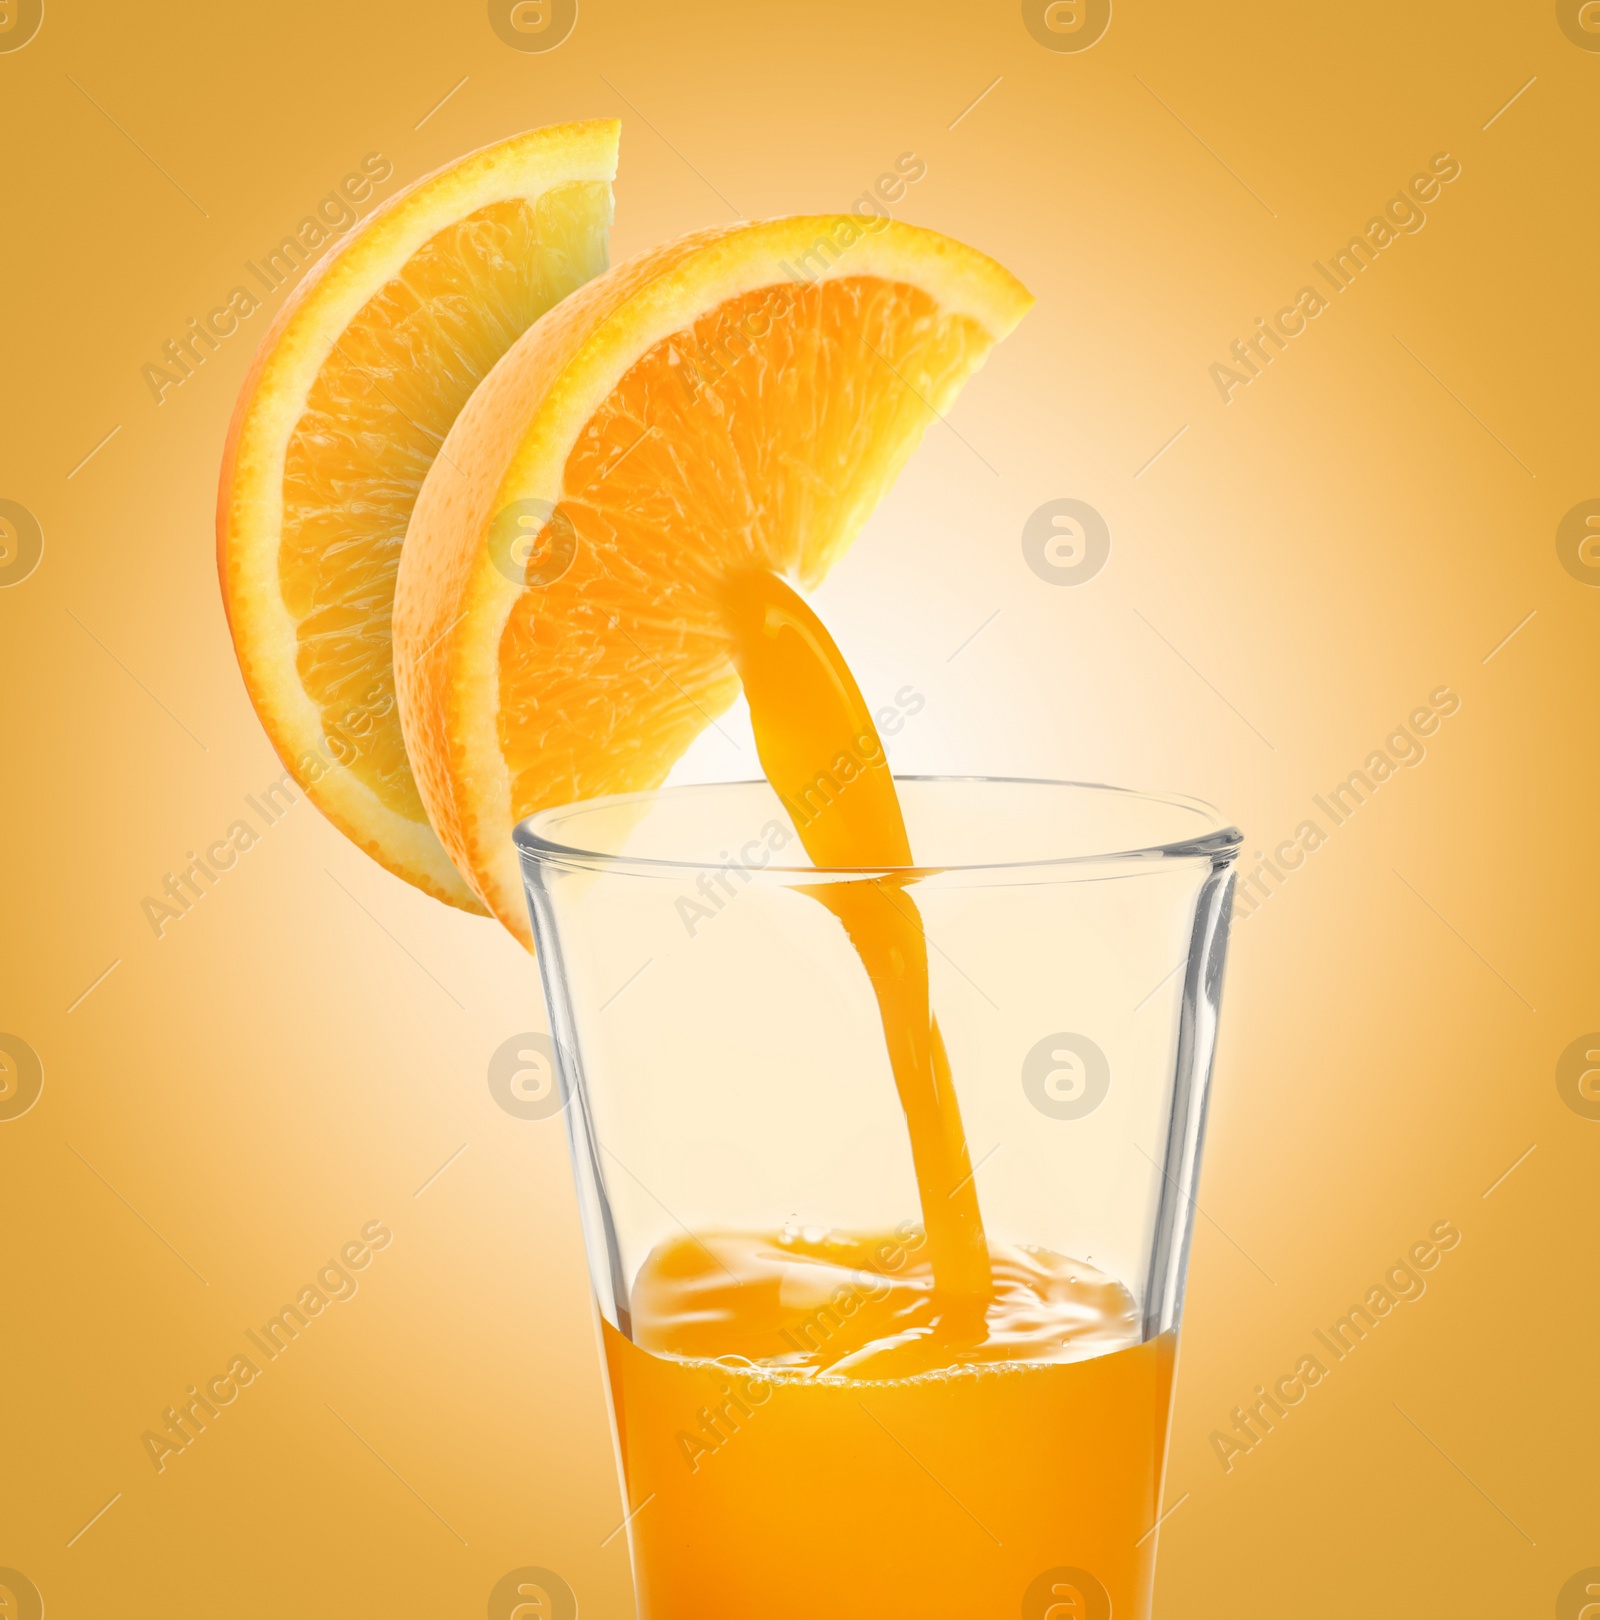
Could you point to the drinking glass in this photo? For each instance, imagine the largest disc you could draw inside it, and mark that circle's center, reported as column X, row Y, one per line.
column 724, row 1071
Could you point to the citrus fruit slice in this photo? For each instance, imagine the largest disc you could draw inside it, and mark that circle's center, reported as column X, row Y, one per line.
column 344, row 409
column 738, row 399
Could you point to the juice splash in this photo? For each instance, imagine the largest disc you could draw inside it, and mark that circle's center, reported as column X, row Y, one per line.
column 865, row 1426
column 849, row 1305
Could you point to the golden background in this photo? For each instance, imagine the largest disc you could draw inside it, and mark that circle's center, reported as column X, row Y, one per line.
column 225, row 1107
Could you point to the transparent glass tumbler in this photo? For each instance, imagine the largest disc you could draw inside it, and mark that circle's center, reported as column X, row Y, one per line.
column 728, row 1092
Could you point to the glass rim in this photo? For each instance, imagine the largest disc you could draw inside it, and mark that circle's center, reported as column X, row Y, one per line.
column 1222, row 840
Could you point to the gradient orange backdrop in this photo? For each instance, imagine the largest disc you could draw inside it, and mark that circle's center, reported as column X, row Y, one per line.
column 1291, row 574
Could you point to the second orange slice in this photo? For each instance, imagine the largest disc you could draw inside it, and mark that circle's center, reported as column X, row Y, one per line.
column 738, row 399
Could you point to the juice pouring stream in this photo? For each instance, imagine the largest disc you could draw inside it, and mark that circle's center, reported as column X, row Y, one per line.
column 807, row 713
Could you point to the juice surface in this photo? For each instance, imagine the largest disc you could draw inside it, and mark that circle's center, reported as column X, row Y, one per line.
column 834, row 1425
column 845, row 1304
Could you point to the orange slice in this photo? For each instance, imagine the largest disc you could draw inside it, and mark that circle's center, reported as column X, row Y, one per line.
column 741, row 398
column 348, row 401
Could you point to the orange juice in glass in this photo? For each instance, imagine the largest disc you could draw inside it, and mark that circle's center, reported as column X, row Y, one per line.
column 886, row 1169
